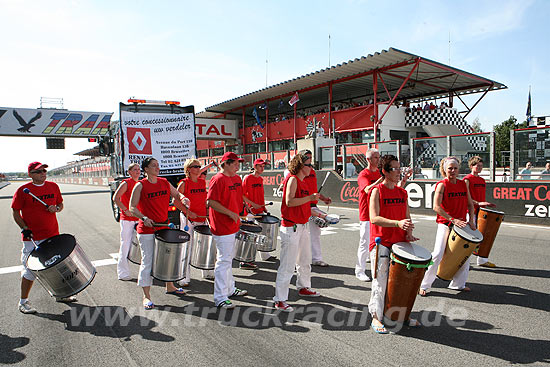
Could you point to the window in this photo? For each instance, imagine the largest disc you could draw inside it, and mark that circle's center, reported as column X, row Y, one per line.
column 402, row 136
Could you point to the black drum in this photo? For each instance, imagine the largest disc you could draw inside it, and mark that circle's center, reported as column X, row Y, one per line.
column 61, row 266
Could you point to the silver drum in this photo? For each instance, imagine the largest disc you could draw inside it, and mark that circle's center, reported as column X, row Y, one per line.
column 169, row 254
column 61, row 266
column 134, row 254
column 203, row 249
column 247, row 240
column 270, row 229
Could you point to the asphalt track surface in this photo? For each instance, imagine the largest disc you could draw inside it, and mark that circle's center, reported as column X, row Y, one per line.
column 504, row 320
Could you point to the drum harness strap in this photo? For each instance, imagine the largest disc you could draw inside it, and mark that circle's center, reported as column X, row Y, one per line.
column 410, row 266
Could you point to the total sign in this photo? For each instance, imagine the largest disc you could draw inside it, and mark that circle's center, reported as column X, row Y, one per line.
column 216, row 129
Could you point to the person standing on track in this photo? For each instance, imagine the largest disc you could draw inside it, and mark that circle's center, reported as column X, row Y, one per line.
column 294, row 232
column 225, row 202
column 127, row 221
column 476, row 185
column 37, row 222
column 149, row 202
column 452, row 203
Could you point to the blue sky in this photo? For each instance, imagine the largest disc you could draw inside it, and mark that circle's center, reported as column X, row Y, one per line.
column 95, row 54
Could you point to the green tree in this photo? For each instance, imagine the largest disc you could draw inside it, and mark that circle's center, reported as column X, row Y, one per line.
column 476, row 126
column 502, row 136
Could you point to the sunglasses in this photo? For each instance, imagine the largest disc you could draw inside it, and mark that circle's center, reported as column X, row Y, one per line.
column 39, row 171
column 195, row 166
column 395, row 169
column 308, row 164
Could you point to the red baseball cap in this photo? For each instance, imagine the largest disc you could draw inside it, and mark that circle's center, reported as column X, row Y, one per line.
column 36, row 165
column 259, row 161
column 231, row 155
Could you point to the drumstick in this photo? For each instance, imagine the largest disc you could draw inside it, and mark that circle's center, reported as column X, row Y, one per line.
column 186, row 228
column 378, row 240
column 27, row 191
column 323, row 184
column 170, row 225
column 270, row 203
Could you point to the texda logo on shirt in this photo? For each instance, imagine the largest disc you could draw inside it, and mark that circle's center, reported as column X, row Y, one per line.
column 158, row 193
column 394, row 201
column 139, row 140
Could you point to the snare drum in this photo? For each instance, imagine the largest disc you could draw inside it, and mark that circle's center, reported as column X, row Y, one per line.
column 203, row 249
column 61, row 266
column 319, row 222
column 270, row 229
column 460, row 245
column 408, row 263
column 246, row 242
column 488, row 223
column 169, row 254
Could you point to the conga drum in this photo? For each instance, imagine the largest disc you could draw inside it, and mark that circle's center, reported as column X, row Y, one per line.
column 408, row 263
column 61, row 266
column 488, row 223
column 460, row 245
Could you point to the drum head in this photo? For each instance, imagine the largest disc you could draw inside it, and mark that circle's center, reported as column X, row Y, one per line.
column 411, row 251
column 51, row 252
column 469, row 234
column 203, row 229
column 268, row 219
column 489, row 210
column 253, row 228
column 172, row 236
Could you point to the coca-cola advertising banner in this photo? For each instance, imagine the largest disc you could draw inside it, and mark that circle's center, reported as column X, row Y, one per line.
column 521, row 202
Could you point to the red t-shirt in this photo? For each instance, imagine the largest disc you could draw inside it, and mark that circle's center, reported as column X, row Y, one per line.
column 393, row 205
column 455, row 200
column 477, row 188
column 296, row 214
column 311, row 181
column 365, row 178
column 253, row 189
column 196, row 193
column 125, row 198
column 153, row 203
column 40, row 221
column 227, row 191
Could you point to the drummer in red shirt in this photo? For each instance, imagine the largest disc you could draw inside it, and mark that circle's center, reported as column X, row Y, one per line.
column 193, row 187
column 149, row 202
column 477, row 186
column 37, row 222
column 225, row 202
column 294, row 232
column 391, row 221
column 253, row 190
column 127, row 221
column 452, row 203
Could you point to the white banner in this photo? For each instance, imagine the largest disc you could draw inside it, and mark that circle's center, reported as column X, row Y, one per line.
column 53, row 123
column 169, row 138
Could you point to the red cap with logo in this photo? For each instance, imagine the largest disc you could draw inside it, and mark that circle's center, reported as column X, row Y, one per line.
column 259, row 161
column 36, row 165
column 231, row 155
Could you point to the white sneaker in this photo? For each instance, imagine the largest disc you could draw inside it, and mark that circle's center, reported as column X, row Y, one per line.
column 363, row 277
column 26, row 307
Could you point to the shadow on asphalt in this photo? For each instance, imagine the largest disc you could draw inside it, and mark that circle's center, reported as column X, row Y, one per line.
column 499, row 295
column 108, row 321
column 8, row 354
column 533, row 273
column 472, row 338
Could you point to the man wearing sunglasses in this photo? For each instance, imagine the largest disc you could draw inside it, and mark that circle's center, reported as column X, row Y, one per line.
column 37, row 222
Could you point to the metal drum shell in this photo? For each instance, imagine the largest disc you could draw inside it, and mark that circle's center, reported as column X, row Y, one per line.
column 488, row 223
column 461, row 243
column 203, row 249
column 69, row 275
column 169, row 254
column 270, row 229
column 134, row 254
column 247, row 240
column 403, row 284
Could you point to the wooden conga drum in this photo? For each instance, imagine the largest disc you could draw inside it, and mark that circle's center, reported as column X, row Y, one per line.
column 408, row 263
column 488, row 223
column 460, row 245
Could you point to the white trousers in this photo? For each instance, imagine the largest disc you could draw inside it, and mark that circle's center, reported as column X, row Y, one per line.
column 224, row 284
column 191, row 225
column 26, row 250
column 295, row 253
column 363, row 249
column 480, row 260
column 315, row 238
column 459, row 280
column 380, row 283
column 127, row 228
column 147, row 244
